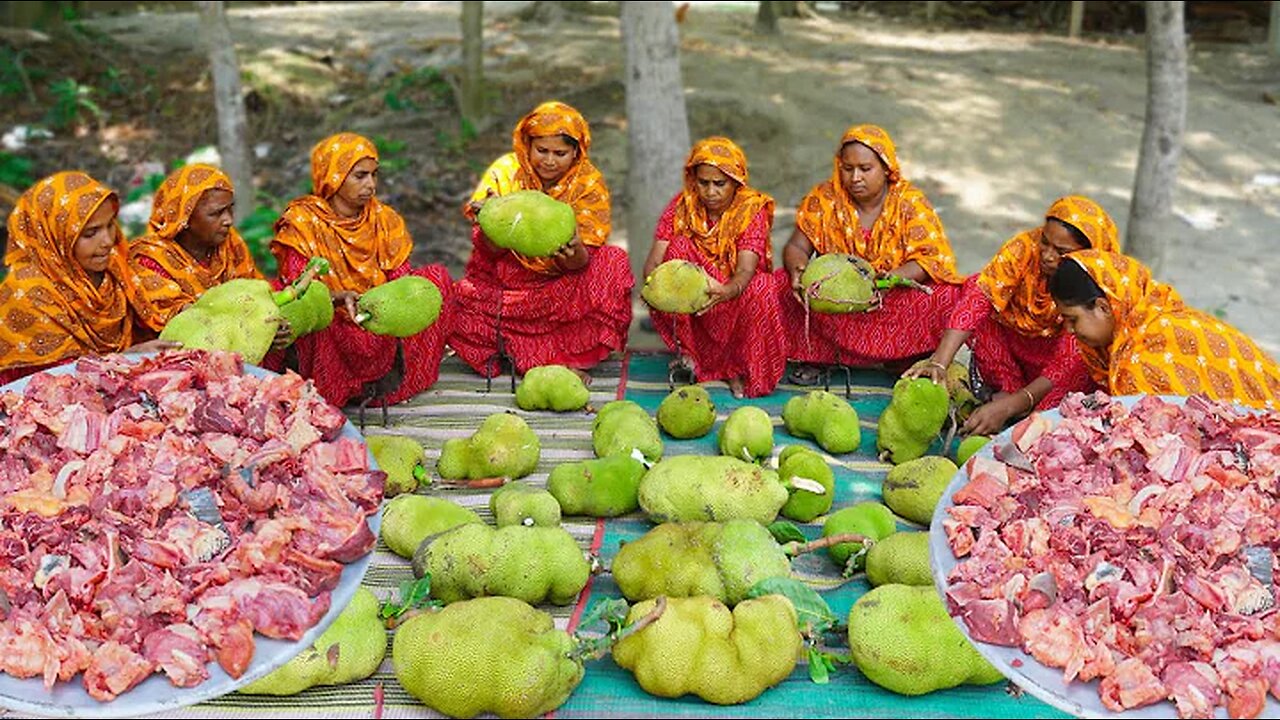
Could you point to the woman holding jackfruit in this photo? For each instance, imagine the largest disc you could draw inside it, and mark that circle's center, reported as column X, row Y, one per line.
column 573, row 308
column 68, row 289
column 722, row 224
column 868, row 209
column 366, row 244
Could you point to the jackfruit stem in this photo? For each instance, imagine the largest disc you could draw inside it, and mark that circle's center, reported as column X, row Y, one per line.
column 793, row 549
column 893, row 281
column 362, row 318
column 596, row 648
column 294, row 290
column 477, row 483
column 419, row 472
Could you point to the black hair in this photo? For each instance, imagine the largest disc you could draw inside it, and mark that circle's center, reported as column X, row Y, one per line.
column 573, row 143
column 1076, row 234
column 883, row 164
column 1072, row 286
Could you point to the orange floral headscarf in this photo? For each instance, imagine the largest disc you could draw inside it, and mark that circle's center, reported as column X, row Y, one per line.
column 1163, row 347
column 581, row 187
column 361, row 250
column 184, row 279
column 720, row 241
column 1013, row 281
column 50, row 309
column 907, row 229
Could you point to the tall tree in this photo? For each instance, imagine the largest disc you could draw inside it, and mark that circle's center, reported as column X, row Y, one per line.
column 657, row 123
column 1273, row 33
column 767, row 17
column 473, row 108
column 1152, row 206
column 1077, row 19
column 233, row 127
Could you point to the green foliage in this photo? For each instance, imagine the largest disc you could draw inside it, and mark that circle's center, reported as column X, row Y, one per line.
column 15, row 171
column 71, row 100
column 391, row 154
column 414, row 594
column 15, row 77
column 408, row 91
column 258, row 229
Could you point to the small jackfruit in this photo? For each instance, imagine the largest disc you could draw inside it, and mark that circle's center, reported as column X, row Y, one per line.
column 528, row 221
column 687, row 413
column 839, row 283
column 533, row 564
column 622, row 426
column 350, row 649
column 607, row 487
column 913, row 419
column 503, row 446
column 700, row 647
column 901, row 558
column 522, row 504
column 914, row 488
column 310, row 313
column 551, row 387
column 810, row 481
column 402, row 459
column 409, row 519
column 723, row 560
column 747, row 434
column 868, row 519
column 489, row 655
column 677, row 286
column 969, row 446
column 902, row 639
column 825, row 417
column 961, row 391
column 719, row 488
column 238, row 316
column 400, row 308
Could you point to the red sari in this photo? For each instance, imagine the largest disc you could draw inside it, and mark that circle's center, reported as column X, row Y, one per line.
column 344, row 360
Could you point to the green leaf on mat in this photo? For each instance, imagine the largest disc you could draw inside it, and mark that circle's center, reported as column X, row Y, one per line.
column 813, row 615
column 784, row 532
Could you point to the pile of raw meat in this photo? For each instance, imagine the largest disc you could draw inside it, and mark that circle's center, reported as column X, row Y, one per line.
column 154, row 515
column 1141, row 552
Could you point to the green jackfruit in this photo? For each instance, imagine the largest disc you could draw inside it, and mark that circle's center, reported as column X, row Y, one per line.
column 868, row 519
column 503, row 446
column 622, row 426
column 717, row 488
column 490, row 655
column 551, row 387
column 400, row 308
column 913, row 419
column 810, row 481
column 723, row 560
column 914, row 488
column 969, row 446
column 698, row 646
column 351, row 649
column 838, row 283
column 687, row 413
column 823, row 416
column 409, row 519
column 607, row 487
column 747, row 434
column 963, row 401
column 530, row 222
column 902, row 639
column 238, row 316
column 533, row 564
column 310, row 313
column 402, row 459
column 901, row 558
column 677, row 286
column 521, row 504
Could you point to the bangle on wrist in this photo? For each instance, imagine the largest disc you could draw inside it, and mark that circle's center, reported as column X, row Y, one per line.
column 1030, row 397
column 934, row 363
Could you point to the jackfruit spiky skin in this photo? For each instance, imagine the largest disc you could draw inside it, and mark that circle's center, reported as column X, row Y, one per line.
column 310, row 313
column 551, row 387
column 621, row 426
column 402, row 307
column 902, row 639
column 710, row 488
column 530, row 222
column 399, row 457
column 237, row 316
column 868, row 519
column 700, row 647
column 723, row 560
column 687, row 413
column 839, row 283
column 805, row 504
column 533, row 564
column 409, row 519
column 914, row 488
column 913, row 419
column 489, row 655
column 747, row 434
column 503, row 446
column 677, row 286
column 519, row 503
column 607, row 487
column 825, row 417
column 901, row 558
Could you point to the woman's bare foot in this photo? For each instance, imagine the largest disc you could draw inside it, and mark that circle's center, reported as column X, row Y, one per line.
column 583, row 375
column 736, row 388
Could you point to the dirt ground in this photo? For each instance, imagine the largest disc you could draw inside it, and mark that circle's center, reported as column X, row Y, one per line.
column 993, row 125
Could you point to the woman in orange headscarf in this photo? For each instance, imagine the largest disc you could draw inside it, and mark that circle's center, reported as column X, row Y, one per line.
column 720, row 223
column 571, row 309
column 1019, row 346
column 68, row 289
column 191, row 245
column 1138, row 337
column 868, row 209
column 366, row 244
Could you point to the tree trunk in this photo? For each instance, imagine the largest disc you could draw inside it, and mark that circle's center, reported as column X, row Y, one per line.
column 1273, row 37
column 545, row 11
column 931, row 11
column 657, row 124
column 1151, row 210
column 473, row 108
column 767, row 18
column 1077, row 19
column 233, row 127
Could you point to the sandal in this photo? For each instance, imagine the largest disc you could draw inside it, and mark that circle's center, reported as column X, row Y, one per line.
column 805, row 375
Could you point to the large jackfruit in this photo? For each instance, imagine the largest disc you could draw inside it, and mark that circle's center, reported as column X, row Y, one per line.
column 310, row 313
column 400, row 308
column 699, row 487
column 687, row 413
column 503, row 446
column 915, row 416
column 810, row 481
column 533, row 564
column 403, row 460
column 238, row 316
column 677, row 286
column 518, row 503
column 607, row 487
column 839, row 283
column 409, row 519
column 622, row 426
column 747, row 434
column 530, row 222
column 914, row 488
column 825, row 417
column 551, row 387
column 869, row 519
column 901, row 558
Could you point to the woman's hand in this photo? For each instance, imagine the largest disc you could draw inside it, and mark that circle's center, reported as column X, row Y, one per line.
column 930, row 368
column 284, row 336
column 720, row 292
column 155, row 346
column 347, row 299
column 572, row 255
column 797, row 287
column 474, row 206
column 992, row 417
